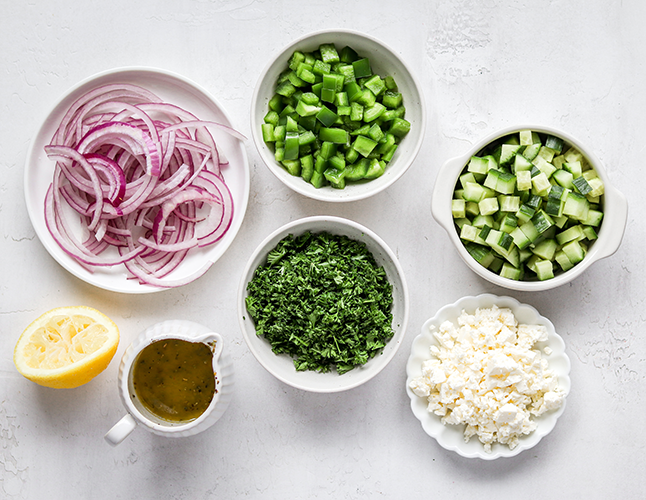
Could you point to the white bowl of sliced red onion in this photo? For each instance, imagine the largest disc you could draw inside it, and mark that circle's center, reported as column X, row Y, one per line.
column 137, row 180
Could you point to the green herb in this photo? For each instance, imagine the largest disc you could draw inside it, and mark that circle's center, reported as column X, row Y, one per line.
column 323, row 300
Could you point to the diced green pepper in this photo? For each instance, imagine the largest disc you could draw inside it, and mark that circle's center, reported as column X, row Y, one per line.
column 392, row 99
column 348, row 55
column 268, row 132
column 375, row 84
column 307, row 167
column 400, row 127
column 329, row 53
column 334, row 135
column 364, row 145
column 291, row 146
column 361, row 68
column 326, row 116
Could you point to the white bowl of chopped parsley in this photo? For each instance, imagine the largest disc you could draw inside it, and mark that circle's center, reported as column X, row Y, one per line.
column 337, row 115
column 323, row 304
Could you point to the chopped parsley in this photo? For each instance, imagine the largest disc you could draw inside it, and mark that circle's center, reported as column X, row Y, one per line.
column 323, row 300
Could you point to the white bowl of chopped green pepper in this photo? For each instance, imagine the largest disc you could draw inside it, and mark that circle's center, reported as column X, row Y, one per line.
column 323, row 304
column 337, row 116
column 529, row 208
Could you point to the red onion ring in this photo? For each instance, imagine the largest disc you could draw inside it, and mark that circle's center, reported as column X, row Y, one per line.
column 143, row 177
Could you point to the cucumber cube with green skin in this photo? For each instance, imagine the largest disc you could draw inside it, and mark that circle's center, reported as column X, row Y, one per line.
column 554, row 207
column 508, row 153
column 544, row 269
column 469, row 232
column 509, row 203
column 510, row 272
column 472, row 209
column 496, row 264
column 574, row 167
column 576, row 206
column 530, row 231
column 581, row 185
column 562, row 259
column 474, row 192
column 483, row 220
column 509, row 223
column 570, row 234
column 491, row 181
column 530, row 152
column 597, row 187
column 574, row 251
column 541, row 183
column 593, row 218
column 528, row 137
column 458, row 208
column 544, row 166
column 555, row 143
column 478, row 165
column 545, row 249
column 480, row 253
column 467, row 177
column 573, row 155
column 521, row 164
column 542, row 221
column 525, row 213
column 589, row 233
column 563, row 178
column 488, row 206
column 523, row 180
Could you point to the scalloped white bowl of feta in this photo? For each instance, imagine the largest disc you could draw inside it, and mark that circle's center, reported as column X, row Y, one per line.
column 488, row 377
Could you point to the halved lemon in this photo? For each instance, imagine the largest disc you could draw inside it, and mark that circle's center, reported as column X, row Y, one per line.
column 66, row 347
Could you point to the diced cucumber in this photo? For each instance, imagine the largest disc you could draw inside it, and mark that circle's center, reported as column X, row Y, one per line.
column 528, row 206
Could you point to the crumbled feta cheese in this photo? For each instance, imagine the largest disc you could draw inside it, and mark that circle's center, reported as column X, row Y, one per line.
column 486, row 374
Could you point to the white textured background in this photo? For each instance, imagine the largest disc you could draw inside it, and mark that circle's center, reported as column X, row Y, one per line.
column 484, row 64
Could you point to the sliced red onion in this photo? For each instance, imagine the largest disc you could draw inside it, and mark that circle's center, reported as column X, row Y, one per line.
column 143, row 177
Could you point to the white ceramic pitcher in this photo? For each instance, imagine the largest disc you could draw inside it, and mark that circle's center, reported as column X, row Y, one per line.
column 138, row 415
